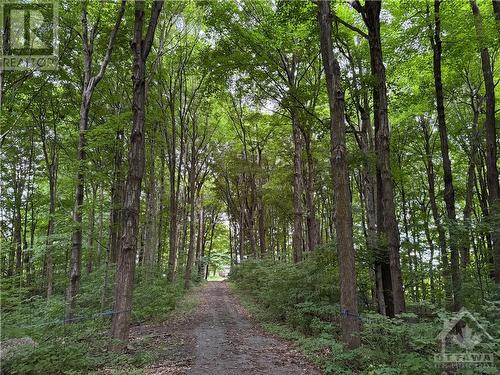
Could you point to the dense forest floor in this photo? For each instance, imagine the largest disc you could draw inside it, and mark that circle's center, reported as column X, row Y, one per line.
column 218, row 337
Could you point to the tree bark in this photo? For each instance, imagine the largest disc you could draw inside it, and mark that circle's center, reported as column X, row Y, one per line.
column 175, row 176
column 469, row 191
column 150, row 230
column 91, row 235
column 89, row 84
column 200, row 241
column 449, row 191
column 117, row 187
column 76, row 239
column 173, row 225
column 241, row 237
column 338, row 157
column 126, row 260
column 431, row 183
column 491, row 140
column 431, row 257
column 387, row 226
column 192, row 218
column 50, row 154
column 161, row 219
column 312, row 221
column 51, row 227
column 369, row 192
column 496, row 10
column 260, row 207
column 297, row 235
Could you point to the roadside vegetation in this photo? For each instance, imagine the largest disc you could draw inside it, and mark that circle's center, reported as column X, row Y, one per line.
column 82, row 347
column 297, row 302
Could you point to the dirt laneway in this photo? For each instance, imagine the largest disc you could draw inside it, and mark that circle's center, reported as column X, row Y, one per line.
column 220, row 339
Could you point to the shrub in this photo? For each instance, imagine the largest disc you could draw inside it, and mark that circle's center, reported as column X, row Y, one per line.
column 295, row 293
column 305, row 298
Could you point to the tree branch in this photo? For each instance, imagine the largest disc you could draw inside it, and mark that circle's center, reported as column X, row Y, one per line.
column 111, row 42
column 155, row 15
column 349, row 26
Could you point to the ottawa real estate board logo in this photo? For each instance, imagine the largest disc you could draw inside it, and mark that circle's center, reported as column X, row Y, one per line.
column 29, row 39
column 465, row 343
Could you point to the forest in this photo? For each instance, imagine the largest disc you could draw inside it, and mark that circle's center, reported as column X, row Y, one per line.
column 250, row 187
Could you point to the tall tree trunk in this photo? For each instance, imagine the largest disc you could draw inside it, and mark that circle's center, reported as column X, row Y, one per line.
column 51, row 228
column 411, row 284
column 469, row 191
column 260, row 207
column 369, row 191
column 182, row 236
column 491, row 140
column 17, row 219
column 482, row 193
column 387, row 225
column 117, row 188
column 343, row 210
column 150, row 234
column 192, row 218
column 89, row 84
column 30, row 267
column 496, row 11
column 172, row 238
column 241, row 237
column 173, row 224
column 100, row 225
column 124, row 279
column 50, row 154
column 161, row 219
column 261, row 227
column 431, row 182
column 312, row 221
column 91, row 236
column 175, row 175
column 297, row 189
column 431, row 257
column 200, row 242
column 232, row 235
column 76, row 239
column 26, row 259
column 250, row 226
column 449, row 191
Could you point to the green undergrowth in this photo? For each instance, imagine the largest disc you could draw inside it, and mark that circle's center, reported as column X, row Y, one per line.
column 301, row 303
column 82, row 347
